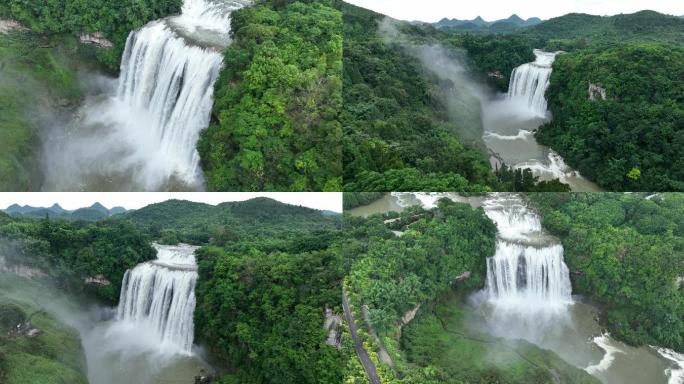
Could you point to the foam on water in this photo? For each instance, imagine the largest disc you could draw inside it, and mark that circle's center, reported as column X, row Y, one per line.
column 604, row 342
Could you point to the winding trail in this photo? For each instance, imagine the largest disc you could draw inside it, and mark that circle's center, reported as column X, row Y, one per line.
column 361, row 352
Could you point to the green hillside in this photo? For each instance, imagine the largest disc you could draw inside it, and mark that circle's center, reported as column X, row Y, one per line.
column 586, row 29
column 398, row 134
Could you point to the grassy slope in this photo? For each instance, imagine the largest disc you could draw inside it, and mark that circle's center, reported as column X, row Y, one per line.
column 36, row 73
column 53, row 357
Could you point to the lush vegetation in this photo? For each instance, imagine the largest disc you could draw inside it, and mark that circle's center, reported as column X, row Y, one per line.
column 257, row 221
column 632, row 140
column 38, row 74
column 440, row 342
column 578, row 30
column 626, row 252
column 276, row 110
column 70, row 251
column 408, row 128
column 394, row 125
column 396, row 273
column 430, row 260
column 262, row 313
column 494, row 55
column 262, row 294
column 115, row 19
column 53, row 356
column 267, row 273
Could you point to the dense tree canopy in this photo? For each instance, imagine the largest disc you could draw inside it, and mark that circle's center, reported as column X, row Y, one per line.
column 393, row 122
column 262, row 294
column 72, row 251
column 626, row 252
column 395, row 273
column 275, row 119
column 115, row 19
column 634, row 139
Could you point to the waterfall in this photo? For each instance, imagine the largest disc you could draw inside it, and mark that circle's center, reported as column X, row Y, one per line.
column 142, row 134
column 168, row 71
column 529, row 82
column 527, row 274
column 159, row 296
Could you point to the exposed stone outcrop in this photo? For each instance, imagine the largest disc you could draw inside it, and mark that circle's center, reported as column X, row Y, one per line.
column 408, row 316
column 97, row 280
column 97, row 39
column 596, row 92
column 463, row 276
column 20, row 269
column 333, row 323
column 7, row 26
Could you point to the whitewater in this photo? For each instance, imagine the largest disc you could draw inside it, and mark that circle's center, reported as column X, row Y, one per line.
column 140, row 133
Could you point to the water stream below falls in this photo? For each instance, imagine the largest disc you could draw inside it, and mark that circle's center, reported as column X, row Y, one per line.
column 151, row 335
column 528, row 295
column 510, row 121
column 148, row 338
column 139, row 132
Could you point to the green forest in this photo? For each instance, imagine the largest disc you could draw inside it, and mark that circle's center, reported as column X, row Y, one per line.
column 397, row 136
column 408, row 129
column 267, row 272
column 626, row 252
column 277, row 102
column 275, row 121
column 633, row 139
column 115, row 20
column 428, row 262
column 630, row 140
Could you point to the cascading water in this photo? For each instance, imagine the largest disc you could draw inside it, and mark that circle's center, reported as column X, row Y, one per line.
column 528, row 296
column 530, row 81
column 528, row 282
column 510, row 121
column 160, row 296
column 163, row 99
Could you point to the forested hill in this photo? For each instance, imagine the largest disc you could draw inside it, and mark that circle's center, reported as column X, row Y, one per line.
column 397, row 133
column 180, row 220
column 617, row 98
column 590, row 29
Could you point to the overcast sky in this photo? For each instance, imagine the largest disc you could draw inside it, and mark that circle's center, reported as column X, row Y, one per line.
column 133, row 200
column 434, row 10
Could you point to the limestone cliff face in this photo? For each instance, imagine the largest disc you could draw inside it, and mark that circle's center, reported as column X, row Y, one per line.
column 7, row 26
column 97, row 39
column 596, row 92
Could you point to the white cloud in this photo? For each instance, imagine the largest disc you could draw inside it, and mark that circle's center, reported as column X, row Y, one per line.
column 331, row 201
column 434, row 10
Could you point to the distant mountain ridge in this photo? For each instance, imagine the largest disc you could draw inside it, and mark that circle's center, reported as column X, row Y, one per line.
column 644, row 25
column 512, row 23
column 95, row 212
column 196, row 222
